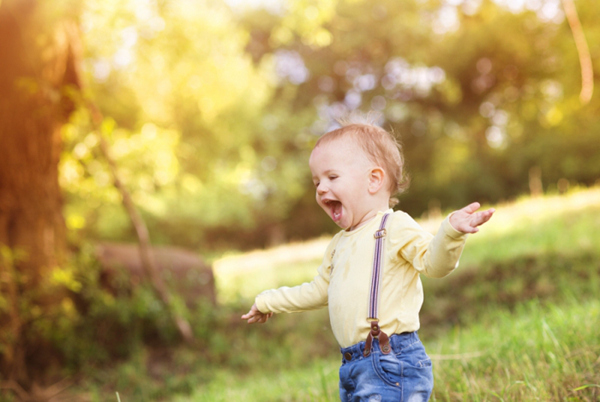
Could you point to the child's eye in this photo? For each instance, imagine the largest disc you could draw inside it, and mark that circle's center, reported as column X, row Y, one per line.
column 332, row 177
column 317, row 184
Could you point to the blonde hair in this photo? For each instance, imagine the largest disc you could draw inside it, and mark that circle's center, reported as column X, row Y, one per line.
column 380, row 146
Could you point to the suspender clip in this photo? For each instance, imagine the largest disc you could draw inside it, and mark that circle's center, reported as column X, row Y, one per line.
column 380, row 233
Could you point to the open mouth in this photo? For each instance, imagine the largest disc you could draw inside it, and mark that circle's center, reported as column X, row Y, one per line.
column 335, row 208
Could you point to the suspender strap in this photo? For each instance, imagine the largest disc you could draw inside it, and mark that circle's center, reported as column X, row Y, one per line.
column 376, row 332
column 377, row 268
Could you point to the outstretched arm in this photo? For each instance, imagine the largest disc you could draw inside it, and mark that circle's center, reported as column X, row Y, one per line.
column 467, row 220
column 254, row 315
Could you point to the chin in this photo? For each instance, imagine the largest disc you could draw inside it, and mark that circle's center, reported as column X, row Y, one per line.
column 343, row 225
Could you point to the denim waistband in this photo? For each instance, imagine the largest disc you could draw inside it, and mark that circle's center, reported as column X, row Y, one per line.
column 397, row 342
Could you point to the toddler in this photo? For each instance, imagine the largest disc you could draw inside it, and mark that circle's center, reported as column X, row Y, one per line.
column 369, row 276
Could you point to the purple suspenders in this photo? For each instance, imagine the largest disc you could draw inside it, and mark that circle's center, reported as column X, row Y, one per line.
column 376, row 332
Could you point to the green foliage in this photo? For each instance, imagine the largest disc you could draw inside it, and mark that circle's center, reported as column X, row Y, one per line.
column 97, row 319
column 186, row 116
column 9, row 305
column 215, row 110
column 93, row 324
column 479, row 94
column 36, row 315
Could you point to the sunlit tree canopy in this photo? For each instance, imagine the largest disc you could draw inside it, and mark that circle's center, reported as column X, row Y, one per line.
column 212, row 107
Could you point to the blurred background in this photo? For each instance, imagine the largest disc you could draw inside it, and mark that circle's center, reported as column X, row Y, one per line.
column 187, row 125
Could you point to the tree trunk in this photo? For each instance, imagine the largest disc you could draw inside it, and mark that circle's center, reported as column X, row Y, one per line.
column 38, row 62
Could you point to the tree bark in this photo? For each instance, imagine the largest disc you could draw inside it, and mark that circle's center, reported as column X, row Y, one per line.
column 39, row 60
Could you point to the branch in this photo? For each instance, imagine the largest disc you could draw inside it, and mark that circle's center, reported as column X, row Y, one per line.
column 36, row 393
column 16, row 388
column 585, row 60
column 142, row 234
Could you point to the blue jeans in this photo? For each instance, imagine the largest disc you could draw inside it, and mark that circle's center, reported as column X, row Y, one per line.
column 403, row 375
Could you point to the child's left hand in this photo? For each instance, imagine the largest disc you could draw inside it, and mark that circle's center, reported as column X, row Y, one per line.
column 254, row 315
column 466, row 220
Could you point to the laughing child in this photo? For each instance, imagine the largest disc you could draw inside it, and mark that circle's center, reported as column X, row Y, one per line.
column 369, row 277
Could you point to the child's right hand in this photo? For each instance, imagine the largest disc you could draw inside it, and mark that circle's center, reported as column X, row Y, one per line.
column 467, row 220
column 254, row 315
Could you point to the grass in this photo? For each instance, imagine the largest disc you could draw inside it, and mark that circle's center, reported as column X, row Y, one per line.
column 545, row 353
column 315, row 382
column 559, row 224
column 566, row 225
column 242, row 276
column 517, row 321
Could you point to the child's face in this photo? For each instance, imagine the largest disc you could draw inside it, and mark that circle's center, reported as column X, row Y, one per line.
column 341, row 171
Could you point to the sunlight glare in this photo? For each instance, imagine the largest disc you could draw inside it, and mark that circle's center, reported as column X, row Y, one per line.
column 446, row 21
column 276, row 7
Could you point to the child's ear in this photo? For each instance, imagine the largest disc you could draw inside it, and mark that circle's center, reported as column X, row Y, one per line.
column 376, row 179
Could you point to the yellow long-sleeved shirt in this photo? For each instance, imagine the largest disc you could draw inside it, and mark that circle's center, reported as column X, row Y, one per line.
column 344, row 278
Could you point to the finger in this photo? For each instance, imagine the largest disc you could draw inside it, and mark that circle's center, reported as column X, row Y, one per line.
column 265, row 317
column 247, row 315
column 483, row 217
column 253, row 311
column 471, row 207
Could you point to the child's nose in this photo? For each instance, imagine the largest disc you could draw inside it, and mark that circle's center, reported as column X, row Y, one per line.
column 321, row 189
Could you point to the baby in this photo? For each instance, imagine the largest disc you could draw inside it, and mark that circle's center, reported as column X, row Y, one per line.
column 369, row 276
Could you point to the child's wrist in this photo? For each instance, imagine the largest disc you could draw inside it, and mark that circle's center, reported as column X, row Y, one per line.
column 451, row 229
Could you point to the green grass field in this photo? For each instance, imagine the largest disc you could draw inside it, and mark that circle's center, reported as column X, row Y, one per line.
column 533, row 354
column 518, row 321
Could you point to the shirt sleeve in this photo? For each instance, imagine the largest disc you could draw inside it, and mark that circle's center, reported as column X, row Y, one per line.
column 434, row 256
column 307, row 296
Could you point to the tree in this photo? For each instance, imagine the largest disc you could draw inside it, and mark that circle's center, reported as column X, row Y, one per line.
column 479, row 92
column 191, row 135
column 38, row 69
